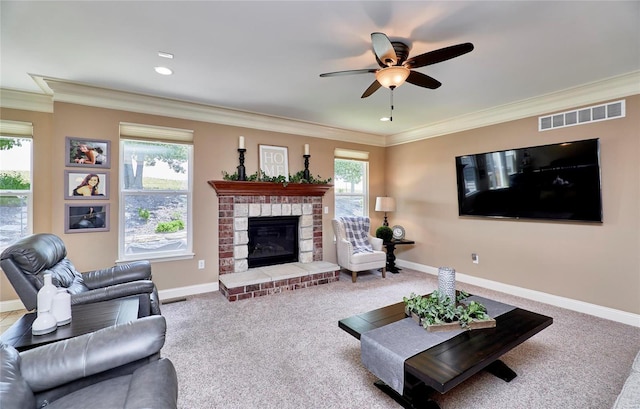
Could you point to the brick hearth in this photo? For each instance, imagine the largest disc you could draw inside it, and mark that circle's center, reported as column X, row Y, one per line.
column 257, row 282
column 240, row 200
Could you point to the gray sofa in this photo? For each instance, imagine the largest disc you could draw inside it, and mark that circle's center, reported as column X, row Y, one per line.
column 25, row 262
column 629, row 397
column 116, row 367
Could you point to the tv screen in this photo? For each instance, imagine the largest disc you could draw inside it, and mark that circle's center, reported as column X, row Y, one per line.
column 555, row 182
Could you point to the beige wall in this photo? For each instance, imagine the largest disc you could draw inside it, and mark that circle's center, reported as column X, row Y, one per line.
column 214, row 152
column 595, row 263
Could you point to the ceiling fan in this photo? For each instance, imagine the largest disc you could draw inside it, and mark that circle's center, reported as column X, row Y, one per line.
column 395, row 68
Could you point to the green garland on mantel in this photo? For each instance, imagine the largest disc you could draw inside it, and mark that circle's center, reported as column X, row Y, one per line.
column 297, row 178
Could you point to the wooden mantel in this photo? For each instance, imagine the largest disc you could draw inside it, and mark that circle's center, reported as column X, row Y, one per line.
column 236, row 188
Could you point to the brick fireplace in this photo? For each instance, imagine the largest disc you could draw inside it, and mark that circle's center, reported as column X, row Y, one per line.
column 239, row 201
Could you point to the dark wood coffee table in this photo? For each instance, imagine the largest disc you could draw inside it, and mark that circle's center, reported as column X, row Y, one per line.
column 85, row 318
column 449, row 363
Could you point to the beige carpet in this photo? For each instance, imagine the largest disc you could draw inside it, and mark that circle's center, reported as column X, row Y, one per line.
column 286, row 351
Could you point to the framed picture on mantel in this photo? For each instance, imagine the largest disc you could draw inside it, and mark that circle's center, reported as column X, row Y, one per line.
column 274, row 161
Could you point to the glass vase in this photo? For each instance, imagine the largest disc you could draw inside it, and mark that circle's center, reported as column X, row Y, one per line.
column 447, row 283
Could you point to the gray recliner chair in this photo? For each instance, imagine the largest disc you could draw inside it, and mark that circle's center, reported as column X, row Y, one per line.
column 115, row 367
column 25, row 262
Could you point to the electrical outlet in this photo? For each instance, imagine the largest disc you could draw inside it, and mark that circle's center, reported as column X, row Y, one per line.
column 475, row 258
column 200, row 264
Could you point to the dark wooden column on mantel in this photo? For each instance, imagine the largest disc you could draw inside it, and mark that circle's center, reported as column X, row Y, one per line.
column 237, row 188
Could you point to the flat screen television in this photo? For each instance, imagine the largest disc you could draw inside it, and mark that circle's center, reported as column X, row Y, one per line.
column 555, row 182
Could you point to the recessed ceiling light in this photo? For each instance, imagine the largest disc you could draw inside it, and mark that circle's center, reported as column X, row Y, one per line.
column 163, row 70
column 385, row 119
column 165, row 55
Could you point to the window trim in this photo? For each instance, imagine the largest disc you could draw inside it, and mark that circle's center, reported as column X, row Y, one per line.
column 21, row 130
column 365, row 183
column 136, row 132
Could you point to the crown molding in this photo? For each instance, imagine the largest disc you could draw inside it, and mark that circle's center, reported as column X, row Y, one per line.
column 82, row 94
column 27, row 101
column 608, row 89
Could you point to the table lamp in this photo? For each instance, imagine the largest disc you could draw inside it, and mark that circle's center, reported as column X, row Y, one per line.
column 385, row 204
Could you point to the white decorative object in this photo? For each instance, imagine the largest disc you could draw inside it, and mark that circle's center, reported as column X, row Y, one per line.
column 398, row 232
column 46, row 294
column 61, row 307
column 447, row 282
column 45, row 322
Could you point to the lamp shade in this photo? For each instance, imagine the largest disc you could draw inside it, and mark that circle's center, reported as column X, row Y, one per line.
column 391, row 77
column 385, row 204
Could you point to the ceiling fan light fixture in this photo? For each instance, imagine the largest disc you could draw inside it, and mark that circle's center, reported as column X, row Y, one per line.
column 392, row 77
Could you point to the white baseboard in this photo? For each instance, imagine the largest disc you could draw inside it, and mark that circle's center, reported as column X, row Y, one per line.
column 13, row 305
column 557, row 301
column 187, row 291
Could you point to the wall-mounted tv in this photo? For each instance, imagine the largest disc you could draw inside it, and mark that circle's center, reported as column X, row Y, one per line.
column 554, row 182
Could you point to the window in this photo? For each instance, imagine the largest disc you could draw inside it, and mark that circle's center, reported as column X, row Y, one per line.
column 155, row 196
column 351, row 184
column 16, row 182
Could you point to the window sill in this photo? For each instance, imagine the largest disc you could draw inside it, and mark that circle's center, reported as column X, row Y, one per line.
column 157, row 258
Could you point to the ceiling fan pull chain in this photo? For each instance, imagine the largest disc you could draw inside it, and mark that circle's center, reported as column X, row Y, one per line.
column 391, row 113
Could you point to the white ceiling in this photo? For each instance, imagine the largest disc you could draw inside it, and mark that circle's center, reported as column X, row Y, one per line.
column 265, row 57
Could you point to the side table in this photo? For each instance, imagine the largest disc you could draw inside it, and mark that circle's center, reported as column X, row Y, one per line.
column 391, row 258
column 85, row 318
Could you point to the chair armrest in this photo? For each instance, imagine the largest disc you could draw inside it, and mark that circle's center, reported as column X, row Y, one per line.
column 113, row 292
column 345, row 250
column 154, row 386
column 376, row 243
column 137, row 270
column 65, row 361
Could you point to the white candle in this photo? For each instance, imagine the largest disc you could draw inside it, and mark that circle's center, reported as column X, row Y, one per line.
column 306, row 148
column 241, row 143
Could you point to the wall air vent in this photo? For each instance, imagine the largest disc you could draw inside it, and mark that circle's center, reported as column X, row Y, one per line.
column 611, row 110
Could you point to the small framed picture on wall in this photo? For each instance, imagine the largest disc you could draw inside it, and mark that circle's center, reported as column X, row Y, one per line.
column 86, row 218
column 89, row 153
column 86, row 185
column 274, row 161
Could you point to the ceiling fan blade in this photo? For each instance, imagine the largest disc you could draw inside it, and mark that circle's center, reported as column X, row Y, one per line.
column 375, row 85
column 443, row 54
column 349, row 72
column 422, row 80
column 384, row 49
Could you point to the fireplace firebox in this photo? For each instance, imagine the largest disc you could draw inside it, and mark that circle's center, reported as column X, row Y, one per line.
column 272, row 240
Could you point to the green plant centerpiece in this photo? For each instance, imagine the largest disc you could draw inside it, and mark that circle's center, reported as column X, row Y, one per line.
column 385, row 233
column 435, row 312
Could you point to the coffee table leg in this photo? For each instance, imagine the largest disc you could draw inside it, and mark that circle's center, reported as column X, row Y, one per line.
column 501, row 370
column 420, row 401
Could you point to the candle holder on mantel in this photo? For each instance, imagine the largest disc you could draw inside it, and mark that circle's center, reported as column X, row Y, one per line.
column 306, row 174
column 242, row 175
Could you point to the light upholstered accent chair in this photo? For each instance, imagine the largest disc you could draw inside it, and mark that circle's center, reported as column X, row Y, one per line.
column 357, row 249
